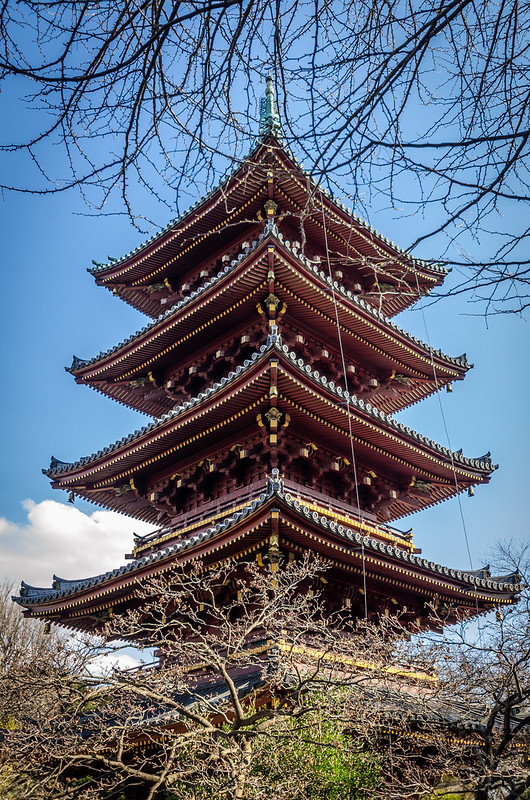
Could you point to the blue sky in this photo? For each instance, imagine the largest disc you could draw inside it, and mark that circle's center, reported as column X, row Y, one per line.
column 52, row 309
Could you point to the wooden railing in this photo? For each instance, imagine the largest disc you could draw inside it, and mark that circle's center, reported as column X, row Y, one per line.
column 213, row 510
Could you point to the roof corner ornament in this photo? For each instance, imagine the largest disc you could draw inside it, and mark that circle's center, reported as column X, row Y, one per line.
column 56, row 465
column 77, row 363
column 269, row 119
column 275, row 482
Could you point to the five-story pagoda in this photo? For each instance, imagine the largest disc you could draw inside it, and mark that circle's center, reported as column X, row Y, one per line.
column 271, row 367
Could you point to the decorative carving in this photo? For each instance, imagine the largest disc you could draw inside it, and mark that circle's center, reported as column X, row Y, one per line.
column 402, row 380
column 138, row 382
column 274, row 554
column 384, row 287
column 124, row 488
column 270, row 208
column 155, row 287
column 272, row 301
column 143, row 381
column 272, row 306
column 421, row 486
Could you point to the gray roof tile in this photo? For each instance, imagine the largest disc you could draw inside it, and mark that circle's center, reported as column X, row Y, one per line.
column 229, row 174
column 271, row 230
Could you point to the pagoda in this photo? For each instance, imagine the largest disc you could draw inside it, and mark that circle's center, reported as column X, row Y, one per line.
column 271, row 369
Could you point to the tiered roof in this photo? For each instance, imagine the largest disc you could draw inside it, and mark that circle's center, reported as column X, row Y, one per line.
column 266, row 358
column 388, row 277
column 317, row 408
column 187, row 330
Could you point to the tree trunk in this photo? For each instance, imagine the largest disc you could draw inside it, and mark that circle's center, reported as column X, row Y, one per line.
column 243, row 770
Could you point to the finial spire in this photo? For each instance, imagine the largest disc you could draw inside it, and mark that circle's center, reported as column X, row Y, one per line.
column 269, row 119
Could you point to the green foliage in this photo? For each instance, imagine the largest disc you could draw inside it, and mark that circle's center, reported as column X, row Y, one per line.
column 307, row 758
column 317, row 760
column 446, row 790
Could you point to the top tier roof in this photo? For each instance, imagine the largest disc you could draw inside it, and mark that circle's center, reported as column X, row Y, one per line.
column 150, row 276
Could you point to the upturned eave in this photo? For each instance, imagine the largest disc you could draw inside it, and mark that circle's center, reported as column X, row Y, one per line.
column 307, row 291
column 395, row 279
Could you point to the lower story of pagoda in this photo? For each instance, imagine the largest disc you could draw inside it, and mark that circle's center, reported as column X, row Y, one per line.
column 369, row 569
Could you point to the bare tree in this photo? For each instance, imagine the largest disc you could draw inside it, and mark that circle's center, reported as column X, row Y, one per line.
column 246, row 661
column 21, row 641
column 35, row 662
column 471, row 732
column 420, row 106
column 487, row 672
column 257, row 692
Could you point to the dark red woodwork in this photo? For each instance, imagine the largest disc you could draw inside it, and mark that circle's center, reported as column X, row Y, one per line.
column 270, row 369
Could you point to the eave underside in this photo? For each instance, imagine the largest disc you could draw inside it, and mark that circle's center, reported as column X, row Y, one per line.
column 404, row 370
column 232, row 413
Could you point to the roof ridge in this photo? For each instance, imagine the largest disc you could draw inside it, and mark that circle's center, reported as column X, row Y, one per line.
column 77, row 363
column 374, row 412
column 277, row 132
column 224, row 179
column 57, row 467
column 401, row 553
column 428, row 265
column 349, row 295
column 72, row 586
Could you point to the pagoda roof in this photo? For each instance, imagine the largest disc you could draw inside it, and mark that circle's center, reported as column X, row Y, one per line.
column 376, row 337
column 224, row 539
column 307, row 394
column 244, row 188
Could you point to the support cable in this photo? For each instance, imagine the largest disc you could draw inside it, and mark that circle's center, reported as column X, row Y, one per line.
column 348, row 408
column 448, row 438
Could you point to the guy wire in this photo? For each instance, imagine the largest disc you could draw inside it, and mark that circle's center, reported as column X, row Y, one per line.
column 346, row 387
column 448, row 438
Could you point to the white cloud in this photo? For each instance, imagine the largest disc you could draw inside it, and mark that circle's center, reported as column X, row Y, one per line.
column 61, row 539
column 124, row 659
